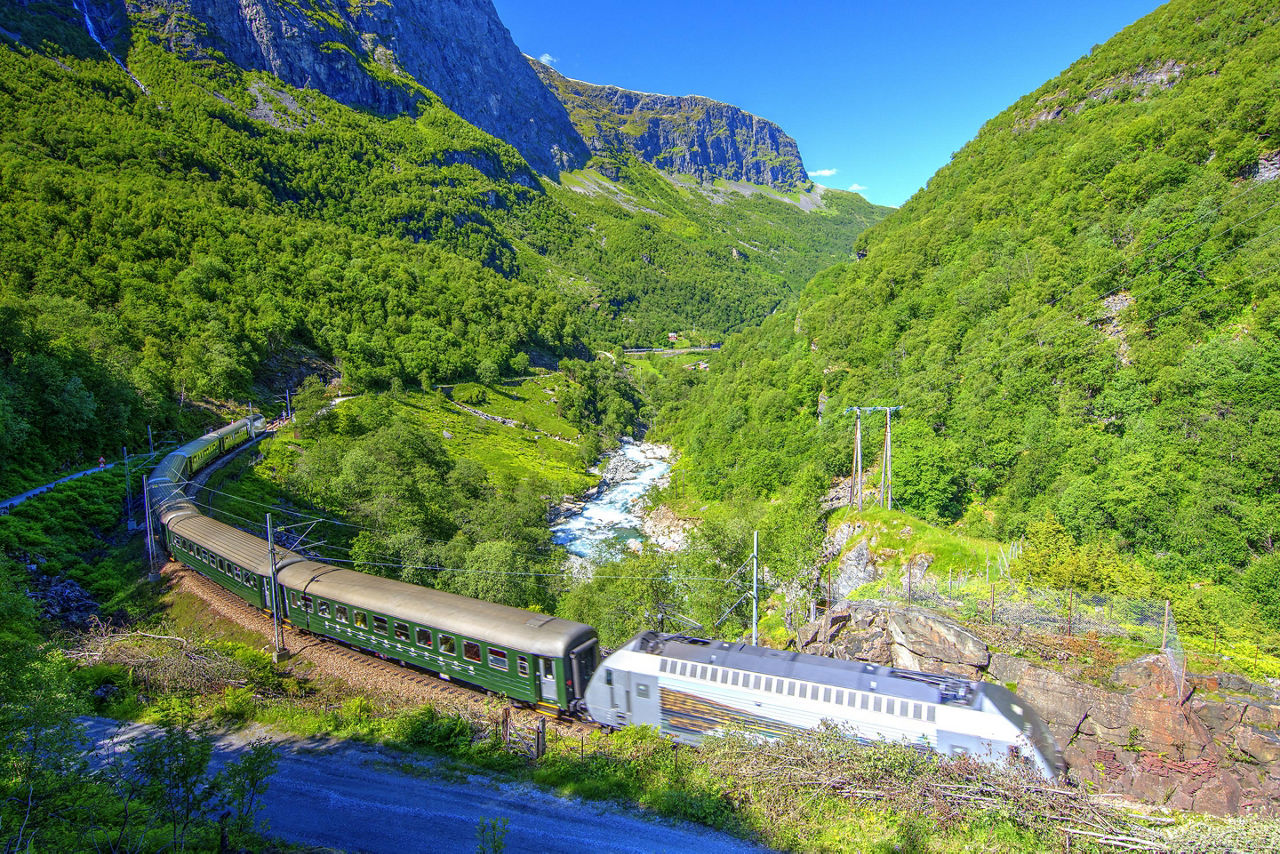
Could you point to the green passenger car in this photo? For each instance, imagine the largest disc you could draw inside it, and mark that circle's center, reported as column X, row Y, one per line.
column 529, row 657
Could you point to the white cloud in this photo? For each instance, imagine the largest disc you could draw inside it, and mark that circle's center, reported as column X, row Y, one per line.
column 547, row 59
column 823, row 173
column 856, row 188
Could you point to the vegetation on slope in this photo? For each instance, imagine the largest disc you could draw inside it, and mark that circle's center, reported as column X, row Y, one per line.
column 1078, row 316
column 178, row 242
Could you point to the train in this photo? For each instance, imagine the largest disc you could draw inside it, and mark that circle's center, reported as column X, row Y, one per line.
column 688, row 688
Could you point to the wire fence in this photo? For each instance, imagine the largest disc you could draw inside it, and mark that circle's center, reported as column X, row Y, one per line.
column 1008, row 602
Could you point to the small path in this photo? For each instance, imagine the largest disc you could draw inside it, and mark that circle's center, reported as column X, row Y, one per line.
column 363, row 798
column 10, row 503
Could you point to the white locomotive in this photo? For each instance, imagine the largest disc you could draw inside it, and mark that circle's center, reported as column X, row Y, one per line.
column 690, row 688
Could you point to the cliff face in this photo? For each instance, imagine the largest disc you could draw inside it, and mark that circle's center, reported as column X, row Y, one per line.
column 687, row 134
column 380, row 55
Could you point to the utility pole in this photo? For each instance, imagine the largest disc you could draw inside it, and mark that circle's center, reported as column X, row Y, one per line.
column 280, row 653
column 886, row 471
column 857, row 459
column 128, row 495
column 755, row 588
column 152, row 575
column 886, row 465
column 151, row 443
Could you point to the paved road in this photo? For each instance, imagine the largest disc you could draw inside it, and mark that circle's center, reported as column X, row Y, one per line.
column 9, row 503
column 360, row 798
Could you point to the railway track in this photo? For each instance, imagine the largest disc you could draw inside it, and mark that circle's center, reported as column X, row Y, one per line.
column 366, row 672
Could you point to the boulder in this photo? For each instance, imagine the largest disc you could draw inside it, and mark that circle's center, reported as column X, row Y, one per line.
column 855, row 570
column 929, row 636
column 1262, row 745
column 915, row 569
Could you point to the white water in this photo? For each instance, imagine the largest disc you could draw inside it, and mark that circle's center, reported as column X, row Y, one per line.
column 613, row 516
column 83, row 8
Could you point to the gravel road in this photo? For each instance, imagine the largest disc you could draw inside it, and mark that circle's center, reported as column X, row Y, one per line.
column 360, row 798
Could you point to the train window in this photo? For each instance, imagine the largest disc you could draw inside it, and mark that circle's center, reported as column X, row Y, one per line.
column 755, row 683
column 642, row 691
column 237, row 573
column 662, row 665
column 249, row 578
column 424, row 638
column 522, row 665
column 293, row 599
column 863, row 704
column 839, row 697
column 340, row 611
column 361, row 621
column 608, row 676
column 380, row 624
column 724, row 677
column 930, row 714
column 826, row 695
column 777, row 686
column 402, row 631
column 736, row 676
column 322, row 608
column 306, row 602
column 888, row 707
column 497, row 659
column 702, row 673
column 447, row 645
column 791, row 689
column 715, row 674
column 876, row 705
column 684, row 668
column 768, row 683
column 549, row 669
column 916, row 711
column 471, row 651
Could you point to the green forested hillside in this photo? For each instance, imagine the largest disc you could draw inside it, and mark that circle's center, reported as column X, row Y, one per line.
column 1079, row 316
column 175, row 243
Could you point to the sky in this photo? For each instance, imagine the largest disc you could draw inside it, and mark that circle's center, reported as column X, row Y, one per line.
column 878, row 95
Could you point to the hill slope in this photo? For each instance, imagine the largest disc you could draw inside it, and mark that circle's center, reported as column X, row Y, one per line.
column 1078, row 315
column 185, row 239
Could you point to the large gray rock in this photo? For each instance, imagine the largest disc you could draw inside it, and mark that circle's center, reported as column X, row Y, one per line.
column 855, row 570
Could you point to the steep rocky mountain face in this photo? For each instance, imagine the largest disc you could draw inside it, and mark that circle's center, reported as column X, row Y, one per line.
column 687, row 134
column 380, row 56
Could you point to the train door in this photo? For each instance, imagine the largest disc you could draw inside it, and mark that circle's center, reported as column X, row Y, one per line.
column 582, row 665
column 547, row 678
column 619, row 684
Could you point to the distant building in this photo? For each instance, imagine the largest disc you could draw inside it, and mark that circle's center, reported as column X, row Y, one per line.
column 673, row 336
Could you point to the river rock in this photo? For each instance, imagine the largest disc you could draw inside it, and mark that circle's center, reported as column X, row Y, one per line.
column 666, row 530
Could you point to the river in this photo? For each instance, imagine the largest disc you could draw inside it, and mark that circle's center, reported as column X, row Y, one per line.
column 612, row 519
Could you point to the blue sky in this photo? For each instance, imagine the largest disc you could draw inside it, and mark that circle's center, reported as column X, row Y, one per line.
column 877, row 94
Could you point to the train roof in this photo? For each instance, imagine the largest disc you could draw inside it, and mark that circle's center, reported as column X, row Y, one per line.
column 855, row 675
column 241, row 548
column 501, row 624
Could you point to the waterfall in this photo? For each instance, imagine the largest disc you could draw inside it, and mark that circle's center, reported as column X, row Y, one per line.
column 82, row 6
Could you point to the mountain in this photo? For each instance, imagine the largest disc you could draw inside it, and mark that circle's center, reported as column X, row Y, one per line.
column 689, row 135
column 193, row 228
column 1079, row 316
column 385, row 56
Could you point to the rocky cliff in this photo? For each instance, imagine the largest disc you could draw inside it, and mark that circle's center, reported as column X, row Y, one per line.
column 689, row 134
column 379, row 55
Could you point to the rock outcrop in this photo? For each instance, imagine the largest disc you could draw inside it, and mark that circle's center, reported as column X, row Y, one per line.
column 1188, row 745
column 382, row 57
column 689, row 134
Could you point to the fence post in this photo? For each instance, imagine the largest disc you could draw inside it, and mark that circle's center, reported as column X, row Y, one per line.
column 1164, row 637
column 540, row 739
column 1071, row 600
column 993, row 604
column 506, row 726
